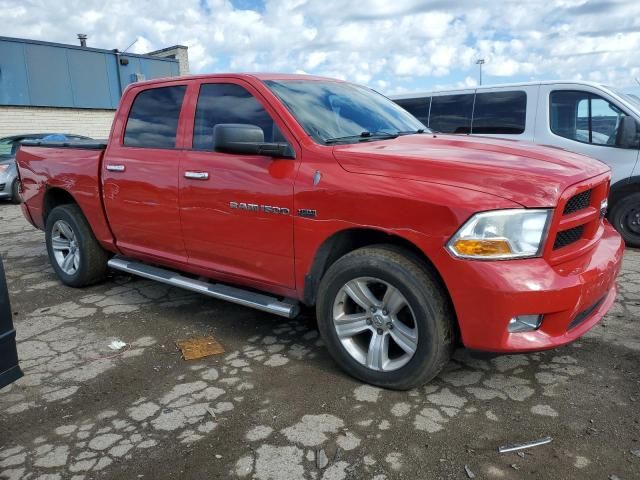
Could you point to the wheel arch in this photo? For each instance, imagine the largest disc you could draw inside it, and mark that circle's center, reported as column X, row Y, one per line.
column 622, row 188
column 54, row 197
column 345, row 241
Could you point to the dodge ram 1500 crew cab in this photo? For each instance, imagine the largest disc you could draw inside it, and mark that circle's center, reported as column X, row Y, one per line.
column 319, row 192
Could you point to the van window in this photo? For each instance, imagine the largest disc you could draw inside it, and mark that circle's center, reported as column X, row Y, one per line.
column 451, row 113
column 418, row 107
column 229, row 103
column 500, row 113
column 584, row 117
column 153, row 119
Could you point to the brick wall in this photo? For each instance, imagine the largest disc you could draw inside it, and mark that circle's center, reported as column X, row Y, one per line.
column 92, row 123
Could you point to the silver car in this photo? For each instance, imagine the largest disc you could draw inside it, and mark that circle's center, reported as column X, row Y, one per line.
column 8, row 171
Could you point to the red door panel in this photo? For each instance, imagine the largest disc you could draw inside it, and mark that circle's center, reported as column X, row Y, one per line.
column 243, row 242
column 141, row 169
column 142, row 201
column 252, row 241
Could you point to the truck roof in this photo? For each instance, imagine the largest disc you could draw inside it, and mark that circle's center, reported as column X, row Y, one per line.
column 254, row 75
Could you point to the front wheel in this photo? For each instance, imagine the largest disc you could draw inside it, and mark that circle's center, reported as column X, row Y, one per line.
column 74, row 253
column 15, row 193
column 625, row 218
column 385, row 318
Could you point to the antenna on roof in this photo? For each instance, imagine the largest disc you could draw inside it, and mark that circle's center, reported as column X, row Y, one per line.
column 131, row 44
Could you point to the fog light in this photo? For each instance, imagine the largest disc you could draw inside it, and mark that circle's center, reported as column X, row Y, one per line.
column 525, row 323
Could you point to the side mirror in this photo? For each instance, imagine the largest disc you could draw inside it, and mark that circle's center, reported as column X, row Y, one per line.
column 246, row 139
column 627, row 134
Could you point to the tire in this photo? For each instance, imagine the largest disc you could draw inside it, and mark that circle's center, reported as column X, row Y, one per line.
column 68, row 233
column 423, row 320
column 15, row 194
column 625, row 218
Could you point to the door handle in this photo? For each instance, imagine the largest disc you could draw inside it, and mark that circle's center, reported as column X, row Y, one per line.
column 196, row 175
column 115, row 168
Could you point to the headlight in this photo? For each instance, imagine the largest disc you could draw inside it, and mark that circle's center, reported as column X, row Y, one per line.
column 4, row 168
column 501, row 234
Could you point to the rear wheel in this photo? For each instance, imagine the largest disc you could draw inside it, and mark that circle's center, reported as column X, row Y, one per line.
column 385, row 318
column 74, row 253
column 625, row 218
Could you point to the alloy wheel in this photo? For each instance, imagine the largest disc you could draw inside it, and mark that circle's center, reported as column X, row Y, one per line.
column 375, row 324
column 65, row 247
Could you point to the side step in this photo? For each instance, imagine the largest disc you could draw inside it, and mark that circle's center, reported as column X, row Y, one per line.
column 216, row 290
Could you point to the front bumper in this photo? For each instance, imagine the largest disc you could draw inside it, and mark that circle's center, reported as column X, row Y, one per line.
column 573, row 296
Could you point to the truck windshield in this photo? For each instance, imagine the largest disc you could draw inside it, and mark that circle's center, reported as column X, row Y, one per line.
column 337, row 112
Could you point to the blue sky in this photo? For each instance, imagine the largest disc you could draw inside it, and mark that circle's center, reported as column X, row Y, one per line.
column 394, row 47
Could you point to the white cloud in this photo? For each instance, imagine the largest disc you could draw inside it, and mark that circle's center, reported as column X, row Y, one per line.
column 392, row 46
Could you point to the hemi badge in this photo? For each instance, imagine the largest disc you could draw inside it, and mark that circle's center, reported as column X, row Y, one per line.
column 307, row 213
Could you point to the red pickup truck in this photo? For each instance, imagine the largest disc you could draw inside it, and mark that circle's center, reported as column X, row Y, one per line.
column 285, row 190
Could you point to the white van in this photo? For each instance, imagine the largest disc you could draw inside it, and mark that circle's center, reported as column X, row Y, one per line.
column 582, row 117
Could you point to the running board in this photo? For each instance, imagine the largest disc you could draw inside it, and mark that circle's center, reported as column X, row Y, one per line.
column 242, row 297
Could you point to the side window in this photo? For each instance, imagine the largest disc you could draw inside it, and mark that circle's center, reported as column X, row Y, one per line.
column 451, row 113
column 605, row 119
column 500, row 113
column 229, row 103
column 153, row 119
column 584, row 117
column 418, row 107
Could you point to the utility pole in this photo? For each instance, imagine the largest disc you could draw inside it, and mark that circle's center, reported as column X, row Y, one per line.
column 480, row 62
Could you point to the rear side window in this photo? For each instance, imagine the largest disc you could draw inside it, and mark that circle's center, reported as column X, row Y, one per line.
column 451, row 113
column 500, row 113
column 418, row 107
column 153, row 119
column 229, row 103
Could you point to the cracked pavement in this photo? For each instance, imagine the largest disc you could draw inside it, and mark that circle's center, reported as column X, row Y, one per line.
column 275, row 406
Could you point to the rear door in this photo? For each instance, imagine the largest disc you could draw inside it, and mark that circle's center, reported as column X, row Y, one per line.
column 141, row 171
column 237, row 210
column 9, row 369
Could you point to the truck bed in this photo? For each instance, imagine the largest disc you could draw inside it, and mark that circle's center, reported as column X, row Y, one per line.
column 64, row 168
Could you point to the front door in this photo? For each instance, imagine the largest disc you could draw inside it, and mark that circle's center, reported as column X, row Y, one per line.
column 583, row 120
column 141, row 177
column 237, row 210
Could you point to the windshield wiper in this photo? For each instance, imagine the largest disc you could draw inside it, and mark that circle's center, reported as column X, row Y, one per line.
column 412, row 132
column 363, row 137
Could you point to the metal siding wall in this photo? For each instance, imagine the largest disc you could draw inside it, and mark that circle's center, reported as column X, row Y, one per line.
column 112, row 74
column 51, row 75
column 89, row 79
column 152, row 69
column 14, row 87
column 49, row 80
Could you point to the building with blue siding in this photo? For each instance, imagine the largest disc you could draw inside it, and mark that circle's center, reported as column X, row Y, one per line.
column 72, row 89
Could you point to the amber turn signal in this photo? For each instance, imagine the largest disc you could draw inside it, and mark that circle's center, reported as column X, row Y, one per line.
column 482, row 248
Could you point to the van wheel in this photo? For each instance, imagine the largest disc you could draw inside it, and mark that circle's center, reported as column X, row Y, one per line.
column 625, row 218
column 384, row 318
column 74, row 253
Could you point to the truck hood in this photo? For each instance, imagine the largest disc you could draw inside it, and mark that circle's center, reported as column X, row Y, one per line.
column 525, row 173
